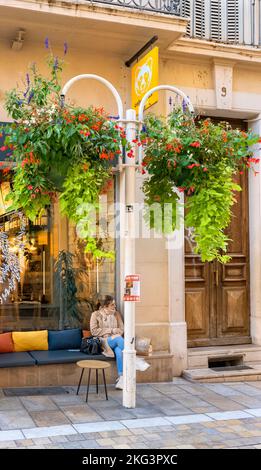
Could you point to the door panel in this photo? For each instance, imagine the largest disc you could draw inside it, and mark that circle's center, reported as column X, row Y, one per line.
column 217, row 296
column 197, row 298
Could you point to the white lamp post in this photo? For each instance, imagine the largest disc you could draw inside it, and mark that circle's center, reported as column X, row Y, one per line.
column 129, row 353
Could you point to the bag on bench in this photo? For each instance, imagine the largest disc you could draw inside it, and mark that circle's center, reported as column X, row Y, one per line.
column 91, row 346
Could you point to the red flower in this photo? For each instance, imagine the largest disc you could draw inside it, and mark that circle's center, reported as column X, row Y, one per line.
column 4, row 148
column 30, row 187
column 104, row 156
column 169, row 147
column 96, row 127
column 205, row 169
column 24, row 162
column 130, row 154
column 6, row 170
column 82, row 118
column 195, row 144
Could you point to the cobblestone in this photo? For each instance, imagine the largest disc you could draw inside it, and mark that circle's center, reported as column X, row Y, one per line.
column 196, row 399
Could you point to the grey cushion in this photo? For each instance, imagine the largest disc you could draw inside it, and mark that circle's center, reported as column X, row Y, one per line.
column 16, row 359
column 63, row 356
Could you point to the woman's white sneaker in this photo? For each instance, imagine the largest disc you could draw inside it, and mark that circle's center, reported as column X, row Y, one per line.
column 119, row 383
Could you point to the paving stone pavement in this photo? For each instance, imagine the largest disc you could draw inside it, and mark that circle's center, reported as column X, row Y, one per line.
column 176, row 415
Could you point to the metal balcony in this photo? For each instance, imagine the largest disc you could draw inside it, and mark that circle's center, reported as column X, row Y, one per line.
column 171, row 7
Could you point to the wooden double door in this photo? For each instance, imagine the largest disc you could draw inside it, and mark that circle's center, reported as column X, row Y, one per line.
column 217, row 296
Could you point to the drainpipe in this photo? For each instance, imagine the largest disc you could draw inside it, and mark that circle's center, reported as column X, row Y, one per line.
column 258, row 12
column 253, row 4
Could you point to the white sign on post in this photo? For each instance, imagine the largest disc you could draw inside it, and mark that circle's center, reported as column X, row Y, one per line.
column 132, row 288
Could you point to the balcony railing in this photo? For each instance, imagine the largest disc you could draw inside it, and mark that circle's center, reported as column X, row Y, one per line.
column 171, row 7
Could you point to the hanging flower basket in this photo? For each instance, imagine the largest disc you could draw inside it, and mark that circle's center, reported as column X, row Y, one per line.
column 61, row 152
column 199, row 159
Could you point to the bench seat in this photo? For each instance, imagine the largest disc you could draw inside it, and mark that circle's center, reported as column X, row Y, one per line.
column 64, row 356
column 16, row 359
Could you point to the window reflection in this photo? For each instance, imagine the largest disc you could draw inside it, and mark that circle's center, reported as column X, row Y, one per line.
column 29, row 305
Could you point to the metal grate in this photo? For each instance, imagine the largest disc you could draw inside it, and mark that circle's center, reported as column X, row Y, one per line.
column 222, row 364
column 25, row 392
column 228, row 368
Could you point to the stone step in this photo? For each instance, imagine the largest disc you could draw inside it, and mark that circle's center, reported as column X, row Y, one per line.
column 198, row 357
column 210, row 375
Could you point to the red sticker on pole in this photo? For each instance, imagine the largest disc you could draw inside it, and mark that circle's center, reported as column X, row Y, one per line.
column 132, row 288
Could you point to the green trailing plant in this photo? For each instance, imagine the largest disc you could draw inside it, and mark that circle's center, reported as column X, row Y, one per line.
column 65, row 288
column 61, row 152
column 199, row 159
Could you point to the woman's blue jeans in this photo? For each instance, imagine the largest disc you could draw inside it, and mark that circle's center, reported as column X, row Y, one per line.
column 117, row 345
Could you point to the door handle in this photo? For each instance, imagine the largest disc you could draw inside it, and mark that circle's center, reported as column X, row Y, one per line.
column 216, row 275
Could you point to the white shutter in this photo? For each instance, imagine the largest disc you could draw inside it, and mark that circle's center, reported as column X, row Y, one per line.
column 233, row 21
column 220, row 20
column 199, row 19
column 186, row 10
column 215, row 20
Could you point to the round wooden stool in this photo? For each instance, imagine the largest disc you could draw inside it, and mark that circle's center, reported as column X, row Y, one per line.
column 93, row 365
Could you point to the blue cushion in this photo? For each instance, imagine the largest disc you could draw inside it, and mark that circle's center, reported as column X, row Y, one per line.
column 62, row 357
column 16, row 359
column 65, row 339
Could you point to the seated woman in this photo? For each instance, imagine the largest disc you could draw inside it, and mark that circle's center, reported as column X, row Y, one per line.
column 106, row 324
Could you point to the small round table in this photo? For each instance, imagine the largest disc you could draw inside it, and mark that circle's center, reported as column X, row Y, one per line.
column 93, row 365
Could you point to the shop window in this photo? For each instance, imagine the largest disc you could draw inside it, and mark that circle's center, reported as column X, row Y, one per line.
column 25, row 261
column 95, row 278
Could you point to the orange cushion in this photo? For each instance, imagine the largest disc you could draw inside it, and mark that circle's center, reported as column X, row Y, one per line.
column 6, row 343
column 86, row 333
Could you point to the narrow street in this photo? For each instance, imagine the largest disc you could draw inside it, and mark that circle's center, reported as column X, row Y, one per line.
column 168, row 415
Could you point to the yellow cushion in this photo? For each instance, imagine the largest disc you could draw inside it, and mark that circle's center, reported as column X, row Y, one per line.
column 30, row 340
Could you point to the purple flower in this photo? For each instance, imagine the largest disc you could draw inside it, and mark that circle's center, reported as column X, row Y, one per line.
column 65, row 48
column 19, row 102
column 30, row 97
column 46, row 43
column 184, row 106
column 28, row 85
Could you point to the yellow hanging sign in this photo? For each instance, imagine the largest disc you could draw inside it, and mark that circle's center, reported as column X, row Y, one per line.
column 145, row 75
